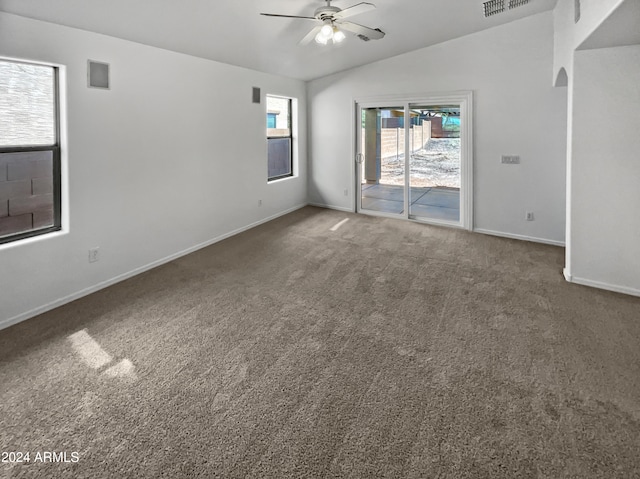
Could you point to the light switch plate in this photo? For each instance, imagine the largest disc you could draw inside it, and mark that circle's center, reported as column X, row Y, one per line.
column 510, row 159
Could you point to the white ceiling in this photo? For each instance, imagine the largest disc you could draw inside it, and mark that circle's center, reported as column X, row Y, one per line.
column 233, row 31
column 620, row 28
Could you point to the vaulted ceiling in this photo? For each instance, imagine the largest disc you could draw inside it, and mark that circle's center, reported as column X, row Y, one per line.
column 234, row 32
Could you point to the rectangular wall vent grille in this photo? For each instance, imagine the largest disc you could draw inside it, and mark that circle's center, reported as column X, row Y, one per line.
column 97, row 74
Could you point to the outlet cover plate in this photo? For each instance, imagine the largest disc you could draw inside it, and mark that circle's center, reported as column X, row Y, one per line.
column 94, row 255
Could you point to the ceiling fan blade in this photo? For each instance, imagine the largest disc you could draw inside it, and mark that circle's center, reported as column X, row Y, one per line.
column 370, row 33
column 286, row 16
column 355, row 10
column 310, row 36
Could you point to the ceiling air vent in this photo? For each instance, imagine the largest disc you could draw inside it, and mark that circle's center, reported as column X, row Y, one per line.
column 517, row 3
column 493, row 7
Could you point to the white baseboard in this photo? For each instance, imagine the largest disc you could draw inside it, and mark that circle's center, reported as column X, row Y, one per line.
column 332, row 207
column 567, row 275
column 600, row 285
column 519, row 237
column 103, row 284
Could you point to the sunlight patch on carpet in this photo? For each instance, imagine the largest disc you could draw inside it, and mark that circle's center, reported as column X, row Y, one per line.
column 339, row 224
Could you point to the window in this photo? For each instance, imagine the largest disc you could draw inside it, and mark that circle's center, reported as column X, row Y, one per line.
column 29, row 150
column 271, row 120
column 279, row 138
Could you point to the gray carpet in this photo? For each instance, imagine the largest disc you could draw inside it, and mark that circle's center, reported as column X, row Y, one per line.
column 382, row 349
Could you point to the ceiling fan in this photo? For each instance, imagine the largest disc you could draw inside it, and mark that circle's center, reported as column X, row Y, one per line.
column 332, row 25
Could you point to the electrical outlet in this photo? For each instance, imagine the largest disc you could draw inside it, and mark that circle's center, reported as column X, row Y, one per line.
column 346, row 192
column 530, row 216
column 510, row 159
column 259, row 202
column 94, row 254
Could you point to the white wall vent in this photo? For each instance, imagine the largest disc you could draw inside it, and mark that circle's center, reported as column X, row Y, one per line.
column 97, row 75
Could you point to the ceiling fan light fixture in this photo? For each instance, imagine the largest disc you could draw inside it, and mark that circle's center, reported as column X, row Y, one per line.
column 326, row 33
column 321, row 39
column 330, row 24
column 327, row 29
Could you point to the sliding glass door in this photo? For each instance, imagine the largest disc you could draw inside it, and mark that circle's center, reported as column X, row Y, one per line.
column 413, row 159
column 381, row 160
column 434, row 162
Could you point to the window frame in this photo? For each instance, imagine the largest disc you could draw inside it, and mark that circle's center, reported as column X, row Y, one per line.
column 290, row 136
column 55, row 152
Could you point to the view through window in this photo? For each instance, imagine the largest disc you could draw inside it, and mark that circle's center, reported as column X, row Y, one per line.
column 29, row 150
column 279, row 137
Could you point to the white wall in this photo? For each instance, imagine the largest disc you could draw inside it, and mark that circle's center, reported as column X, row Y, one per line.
column 155, row 165
column 517, row 111
column 605, row 223
column 601, row 227
column 568, row 35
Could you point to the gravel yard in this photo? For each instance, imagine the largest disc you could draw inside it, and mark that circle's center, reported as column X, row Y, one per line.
column 436, row 165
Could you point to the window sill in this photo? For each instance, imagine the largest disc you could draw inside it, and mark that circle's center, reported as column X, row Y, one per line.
column 278, row 180
column 33, row 239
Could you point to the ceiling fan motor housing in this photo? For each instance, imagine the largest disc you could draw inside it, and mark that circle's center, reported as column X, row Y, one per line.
column 326, row 12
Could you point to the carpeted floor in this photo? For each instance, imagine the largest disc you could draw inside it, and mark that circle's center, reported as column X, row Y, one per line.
column 384, row 348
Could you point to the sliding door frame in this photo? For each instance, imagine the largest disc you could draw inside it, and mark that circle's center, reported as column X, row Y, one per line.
column 462, row 98
column 359, row 107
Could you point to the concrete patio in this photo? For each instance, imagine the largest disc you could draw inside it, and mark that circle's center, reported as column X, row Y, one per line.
column 425, row 202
